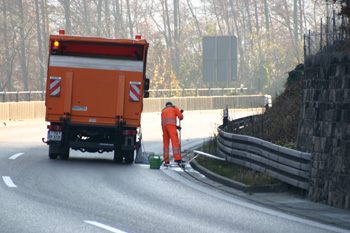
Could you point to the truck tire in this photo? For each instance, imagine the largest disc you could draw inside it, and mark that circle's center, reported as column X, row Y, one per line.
column 118, row 157
column 57, row 150
column 53, row 152
column 65, row 154
column 53, row 155
column 129, row 156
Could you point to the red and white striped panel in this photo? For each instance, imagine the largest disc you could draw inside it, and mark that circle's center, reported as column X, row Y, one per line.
column 134, row 92
column 55, row 86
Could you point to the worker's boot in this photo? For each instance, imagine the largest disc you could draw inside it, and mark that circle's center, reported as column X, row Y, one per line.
column 181, row 163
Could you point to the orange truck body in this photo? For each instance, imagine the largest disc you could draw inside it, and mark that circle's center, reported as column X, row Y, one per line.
column 94, row 94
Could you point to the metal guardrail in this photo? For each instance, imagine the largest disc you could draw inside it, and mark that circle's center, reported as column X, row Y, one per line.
column 198, row 92
column 287, row 165
column 16, row 96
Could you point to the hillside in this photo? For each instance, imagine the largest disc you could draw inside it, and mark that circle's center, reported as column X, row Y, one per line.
column 279, row 123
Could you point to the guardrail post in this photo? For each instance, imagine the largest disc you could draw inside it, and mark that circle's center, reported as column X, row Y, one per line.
column 196, row 92
column 29, row 95
column 183, row 92
column 17, row 93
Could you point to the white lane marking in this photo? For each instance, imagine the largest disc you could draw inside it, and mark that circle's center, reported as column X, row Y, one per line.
column 15, row 156
column 9, row 182
column 103, row 226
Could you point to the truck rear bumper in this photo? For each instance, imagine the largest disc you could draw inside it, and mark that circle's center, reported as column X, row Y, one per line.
column 78, row 145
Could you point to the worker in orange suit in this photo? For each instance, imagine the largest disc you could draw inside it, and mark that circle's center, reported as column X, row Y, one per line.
column 169, row 114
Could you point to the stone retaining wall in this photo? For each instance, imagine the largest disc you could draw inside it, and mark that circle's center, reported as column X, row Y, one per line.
column 324, row 127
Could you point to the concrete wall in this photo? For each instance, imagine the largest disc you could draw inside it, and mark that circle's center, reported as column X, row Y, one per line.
column 324, row 127
column 205, row 103
column 13, row 111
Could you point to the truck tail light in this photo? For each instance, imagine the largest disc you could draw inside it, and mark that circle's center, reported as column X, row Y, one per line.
column 129, row 132
column 54, row 127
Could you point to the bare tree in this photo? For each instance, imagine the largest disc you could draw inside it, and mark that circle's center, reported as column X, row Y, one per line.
column 8, row 57
column 131, row 28
column 67, row 15
column 267, row 15
column 257, row 26
column 40, row 52
column 86, row 18
column 295, row 21
column 46, row 25
column 195, row 18
column 22, row 49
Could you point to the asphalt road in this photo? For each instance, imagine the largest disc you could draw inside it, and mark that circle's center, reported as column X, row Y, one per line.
column 89, row 193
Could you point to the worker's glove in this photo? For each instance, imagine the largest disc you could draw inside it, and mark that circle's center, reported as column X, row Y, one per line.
column 178, row 127
column 181, row 110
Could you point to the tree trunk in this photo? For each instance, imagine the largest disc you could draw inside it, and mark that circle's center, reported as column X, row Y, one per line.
column 295, row 21
column 40, row 52
column 86, row 18
column 131, row 28
column 22, row 51
column 195, row 19
column 45, row 29
column 301, row 11
column 217, row 17
column 117, row 19
column 108, row 20
column 247, row 3
column 67, row 16
column 176, row 61
column 267, row 15
column 287, row 19
column 168, row 24
column 99, row 17
column 256, row 18
column 239, row 39
column 8, row 59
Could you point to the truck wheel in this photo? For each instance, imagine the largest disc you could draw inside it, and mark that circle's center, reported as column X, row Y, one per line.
column 118, row 157
column 53, row 152
column 65, row 154
column 53, row 156
column 129, row 156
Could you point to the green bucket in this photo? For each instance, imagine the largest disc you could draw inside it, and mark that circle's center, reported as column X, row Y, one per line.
column 155, row 161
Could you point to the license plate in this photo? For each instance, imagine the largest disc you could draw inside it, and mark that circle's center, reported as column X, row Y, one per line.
column 54, row 135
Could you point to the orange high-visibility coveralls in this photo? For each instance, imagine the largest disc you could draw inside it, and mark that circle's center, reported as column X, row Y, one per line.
column 169, row 114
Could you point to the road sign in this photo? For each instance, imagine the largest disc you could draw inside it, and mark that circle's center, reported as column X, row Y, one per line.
column 219, row 58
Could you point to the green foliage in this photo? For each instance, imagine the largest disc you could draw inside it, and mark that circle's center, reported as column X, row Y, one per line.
column 232, row 171
column 279, row 123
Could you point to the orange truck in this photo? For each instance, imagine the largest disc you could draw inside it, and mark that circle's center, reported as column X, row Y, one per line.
column 94, row 95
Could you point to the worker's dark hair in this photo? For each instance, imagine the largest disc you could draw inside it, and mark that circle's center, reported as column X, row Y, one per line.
column 168, row 103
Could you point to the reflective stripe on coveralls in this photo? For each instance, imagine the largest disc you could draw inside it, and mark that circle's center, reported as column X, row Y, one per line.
column 169, row 115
